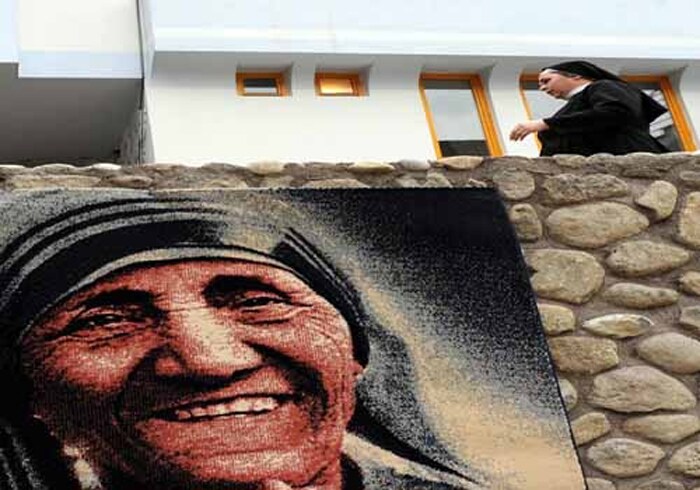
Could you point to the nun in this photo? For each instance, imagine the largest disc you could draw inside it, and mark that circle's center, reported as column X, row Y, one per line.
column 602, row 114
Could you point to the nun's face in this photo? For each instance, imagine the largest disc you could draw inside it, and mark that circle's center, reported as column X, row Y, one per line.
column 199, row 372
column 557, row 85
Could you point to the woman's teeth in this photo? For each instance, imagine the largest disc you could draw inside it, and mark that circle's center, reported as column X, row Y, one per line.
column 239, row 407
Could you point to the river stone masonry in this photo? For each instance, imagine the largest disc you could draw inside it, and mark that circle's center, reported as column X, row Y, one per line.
column 613, row 244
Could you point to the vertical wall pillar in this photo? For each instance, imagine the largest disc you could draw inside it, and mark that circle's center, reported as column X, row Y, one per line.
column 690, row 97
column 508, row 108
column 8, row 31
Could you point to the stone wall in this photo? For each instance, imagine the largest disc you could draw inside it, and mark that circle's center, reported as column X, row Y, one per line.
column 614, row 248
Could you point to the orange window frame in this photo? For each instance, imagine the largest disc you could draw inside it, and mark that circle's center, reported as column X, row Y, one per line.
column 674, row 106
column 278, row 77
column 524, row 78
column 358, row 89
column 482, row 105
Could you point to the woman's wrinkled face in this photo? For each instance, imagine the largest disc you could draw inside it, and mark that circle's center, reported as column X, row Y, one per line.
column 199, row 372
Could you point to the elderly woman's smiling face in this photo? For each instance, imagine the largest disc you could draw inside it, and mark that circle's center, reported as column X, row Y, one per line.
column 199, row 372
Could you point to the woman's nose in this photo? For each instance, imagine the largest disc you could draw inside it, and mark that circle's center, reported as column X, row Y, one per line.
column 201, row 342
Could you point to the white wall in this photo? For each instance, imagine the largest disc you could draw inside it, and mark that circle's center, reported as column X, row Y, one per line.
column 503, row 88
column 197, row 117
column 78, row 38
column 689, row 87
column 601, row 28
column 8, row 31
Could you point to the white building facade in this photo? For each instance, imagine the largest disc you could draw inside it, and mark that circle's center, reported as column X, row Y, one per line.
column 316, row 80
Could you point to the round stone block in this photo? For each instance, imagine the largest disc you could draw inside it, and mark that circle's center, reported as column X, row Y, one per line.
column 565, row 275
column 690, row 319
column 556, row 319
column 514, row 184
column 686, row 460
column 460, row 162
column 371, row 168
column 266, row 167
column 618, row 325
column 690, row 178
column 640, row 296
column 599, row 484
column 40, row 181
column 595, row 225
column 407, row 182
column 573, row 189
column 414, row 165
column 660, row 485
column 436, row 179
column 568, row 393
column 689, row 221
column 639, row 389
column 667, row 429
column 589, row 427
column 660, row 198
column 625, row 458
column 672, row 351
column 644, row 258
column 583, row 355
column 527, row 224
column 690, row 283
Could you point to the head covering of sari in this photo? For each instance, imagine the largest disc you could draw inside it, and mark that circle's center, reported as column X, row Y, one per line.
column 651, row 108
column 69, row 241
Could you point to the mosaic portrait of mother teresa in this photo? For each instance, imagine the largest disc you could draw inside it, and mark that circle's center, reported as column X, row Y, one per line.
column 290, row 339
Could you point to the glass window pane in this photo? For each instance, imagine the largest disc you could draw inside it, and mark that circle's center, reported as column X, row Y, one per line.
column 455, row 117
column 663, row 127
column 336, row 86
column 266, row 86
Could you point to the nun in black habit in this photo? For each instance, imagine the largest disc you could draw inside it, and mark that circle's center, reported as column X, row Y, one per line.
column 603, row 113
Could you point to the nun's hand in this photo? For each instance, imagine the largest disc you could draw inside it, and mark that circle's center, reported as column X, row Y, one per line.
column 521, row 130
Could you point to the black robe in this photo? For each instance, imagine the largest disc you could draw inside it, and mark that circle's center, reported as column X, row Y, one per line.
column 608, row 116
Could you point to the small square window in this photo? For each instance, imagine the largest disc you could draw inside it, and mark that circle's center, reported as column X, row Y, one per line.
column 339, row 84
column 261, row 84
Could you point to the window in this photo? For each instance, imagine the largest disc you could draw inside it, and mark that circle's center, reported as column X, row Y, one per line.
column 671, row 129
column 458, row 115
column 339, row 84
column 261, row 84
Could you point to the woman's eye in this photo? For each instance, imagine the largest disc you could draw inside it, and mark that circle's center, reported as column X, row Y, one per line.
column 260, row 301
column 100, row 320
column 256, row 307
column 106, row 323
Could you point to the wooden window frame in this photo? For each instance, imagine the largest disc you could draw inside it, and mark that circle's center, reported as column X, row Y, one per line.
column 358, row 89
column 685, row 135
column 524, row 78
column 482, row 106
column 278, row 77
